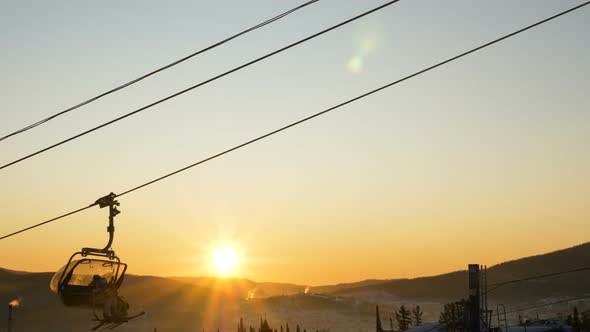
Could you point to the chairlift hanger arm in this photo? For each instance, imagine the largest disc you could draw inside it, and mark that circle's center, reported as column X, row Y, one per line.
column 108, row 200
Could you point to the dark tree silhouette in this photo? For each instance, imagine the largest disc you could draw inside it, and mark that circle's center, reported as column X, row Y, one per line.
column 264, row 327
column 241, row 326
column 576, row 324
column 453, row 316
column 417, row 314
column 402, row 316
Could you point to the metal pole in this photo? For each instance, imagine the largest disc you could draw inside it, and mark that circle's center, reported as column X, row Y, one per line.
column 498, row 315
column 10, row 318
column 488, row 318
column 481, row 283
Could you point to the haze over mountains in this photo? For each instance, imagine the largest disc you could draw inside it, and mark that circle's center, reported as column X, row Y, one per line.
column 194, row 304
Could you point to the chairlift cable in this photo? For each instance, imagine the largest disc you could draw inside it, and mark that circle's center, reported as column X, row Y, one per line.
column 312, row 116
column 497, row 285
column 153, row 72
column 176, row 94
column 544, row 305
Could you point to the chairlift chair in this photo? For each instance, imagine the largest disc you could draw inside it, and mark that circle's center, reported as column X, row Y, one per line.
column 73, row 281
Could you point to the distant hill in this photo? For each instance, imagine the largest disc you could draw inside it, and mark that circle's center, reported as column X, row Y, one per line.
column 270, row 289
column 244, row 286
column 454, row 285
column 347, row 286
column 194, row 303
column 12, row 271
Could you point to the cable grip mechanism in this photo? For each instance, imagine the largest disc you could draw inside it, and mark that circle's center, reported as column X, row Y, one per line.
column 108, row 200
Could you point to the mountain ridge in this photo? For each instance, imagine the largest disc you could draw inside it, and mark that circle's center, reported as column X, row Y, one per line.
column 454, row 284
column 550, row 262
column 181, row 303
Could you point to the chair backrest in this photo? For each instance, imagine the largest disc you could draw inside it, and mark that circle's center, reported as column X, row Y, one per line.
column 74, row 284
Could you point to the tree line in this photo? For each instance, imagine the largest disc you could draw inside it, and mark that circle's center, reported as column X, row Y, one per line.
column 265, row 327
column 406, row 318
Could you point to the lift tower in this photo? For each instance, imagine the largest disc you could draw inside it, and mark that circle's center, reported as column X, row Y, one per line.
column 473, row 314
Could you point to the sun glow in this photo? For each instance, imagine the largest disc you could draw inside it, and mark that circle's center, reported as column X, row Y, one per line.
column 225, row 260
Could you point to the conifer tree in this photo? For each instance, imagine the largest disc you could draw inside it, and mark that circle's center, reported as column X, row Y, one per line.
column 452, row 315
column 298, row 330
column 417, row 315
column 576, row 320
column 403, row 318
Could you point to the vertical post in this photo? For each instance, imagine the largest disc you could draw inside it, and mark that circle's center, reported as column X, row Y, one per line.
column 474, row 299
column 488, row 314
column 10, row 318
column 498, row 315
column 482, row 281
column 505, row 320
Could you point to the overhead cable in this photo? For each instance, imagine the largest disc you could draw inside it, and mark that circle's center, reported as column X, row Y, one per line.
column 176, row 94
column 155, row 71
column 293, row 124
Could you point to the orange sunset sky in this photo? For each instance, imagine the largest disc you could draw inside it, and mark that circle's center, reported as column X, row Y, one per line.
column 481, row 161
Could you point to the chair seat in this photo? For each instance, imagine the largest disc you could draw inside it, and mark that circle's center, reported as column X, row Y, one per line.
column 80, row 296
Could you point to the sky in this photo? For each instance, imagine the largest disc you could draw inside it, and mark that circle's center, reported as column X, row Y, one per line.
column 481, row 161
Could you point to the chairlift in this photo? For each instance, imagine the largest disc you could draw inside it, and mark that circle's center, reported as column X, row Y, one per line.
column 73, row 282
column 76, row 282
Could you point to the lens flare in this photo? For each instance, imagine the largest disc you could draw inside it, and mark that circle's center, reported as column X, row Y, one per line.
column 355, row 65
column 369, row 44
column 365, row 44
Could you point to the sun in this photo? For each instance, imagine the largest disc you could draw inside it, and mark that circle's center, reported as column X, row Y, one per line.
column 225, row 260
